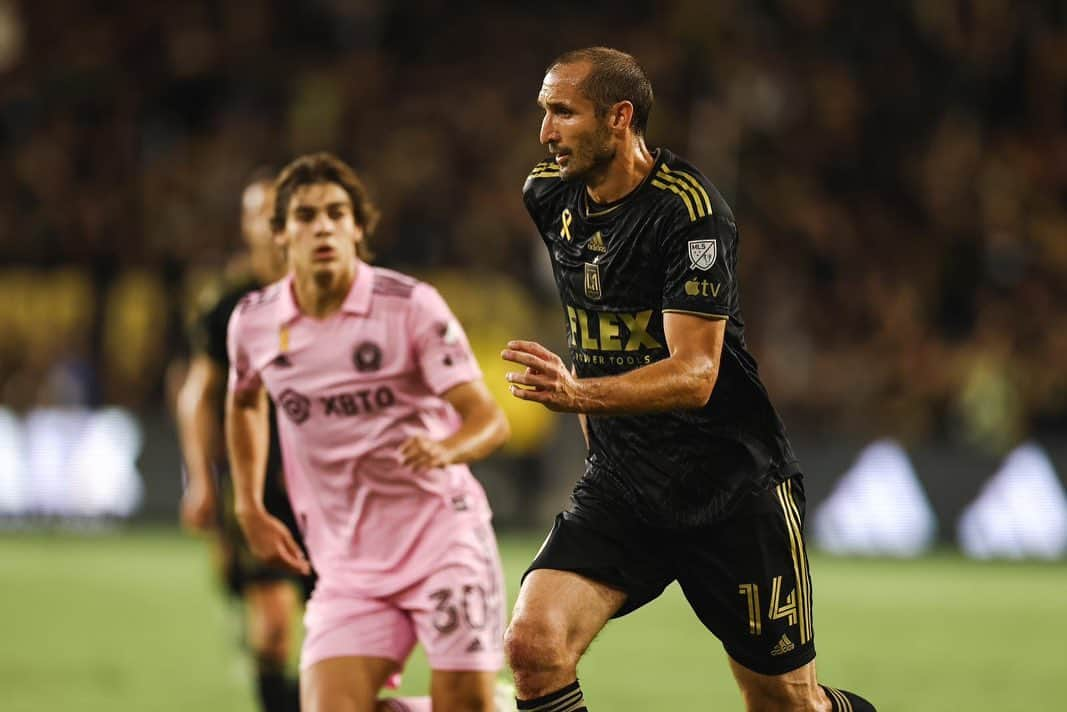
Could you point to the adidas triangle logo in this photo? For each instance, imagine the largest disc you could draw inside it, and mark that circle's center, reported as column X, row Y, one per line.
column 597, row 243
column 1020, row 512
column 878, row 507
column 475, row 646
column 784, row 646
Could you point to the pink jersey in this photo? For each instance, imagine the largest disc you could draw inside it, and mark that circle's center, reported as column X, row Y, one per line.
column 350, row 389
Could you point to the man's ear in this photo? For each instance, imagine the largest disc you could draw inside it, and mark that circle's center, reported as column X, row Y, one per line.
column 622, row 115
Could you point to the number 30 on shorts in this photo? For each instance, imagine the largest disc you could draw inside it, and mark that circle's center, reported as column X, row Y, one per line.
column 470, row 607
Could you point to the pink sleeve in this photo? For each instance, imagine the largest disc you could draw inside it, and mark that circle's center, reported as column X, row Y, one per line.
column 242, row 378
column 441, row 347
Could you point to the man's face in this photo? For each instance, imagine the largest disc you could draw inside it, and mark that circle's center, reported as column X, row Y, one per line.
column 257, row 204
column 320, row 232
column 581, row 142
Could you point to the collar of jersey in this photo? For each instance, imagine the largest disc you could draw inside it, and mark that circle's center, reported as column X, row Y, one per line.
column 602, row 210
column 357, row 302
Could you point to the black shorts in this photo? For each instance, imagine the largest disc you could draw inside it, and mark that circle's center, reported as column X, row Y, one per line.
column 746, row 576
column 240, row 567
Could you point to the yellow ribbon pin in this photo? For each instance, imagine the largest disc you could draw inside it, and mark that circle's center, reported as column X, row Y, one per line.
column 567, row 219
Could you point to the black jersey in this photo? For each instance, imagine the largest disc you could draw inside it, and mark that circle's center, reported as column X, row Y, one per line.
column 209, row 338
column 670, row 245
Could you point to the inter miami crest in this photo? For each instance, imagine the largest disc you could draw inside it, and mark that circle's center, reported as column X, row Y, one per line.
column 367, row 357
column 296, row 405
column 702, row 254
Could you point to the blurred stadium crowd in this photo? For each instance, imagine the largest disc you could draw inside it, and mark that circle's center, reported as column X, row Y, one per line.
column 899, row 171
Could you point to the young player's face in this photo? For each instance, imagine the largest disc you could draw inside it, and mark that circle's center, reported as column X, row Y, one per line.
column 320, row 233
column 581, row 142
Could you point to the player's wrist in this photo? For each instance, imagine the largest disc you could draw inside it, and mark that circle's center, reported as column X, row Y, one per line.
column 248, row 509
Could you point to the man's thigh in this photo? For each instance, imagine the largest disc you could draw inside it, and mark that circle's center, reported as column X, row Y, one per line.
column 344, row 684
column 563, row 603
column 605, row 548
column 270, row 608
column 747, row 580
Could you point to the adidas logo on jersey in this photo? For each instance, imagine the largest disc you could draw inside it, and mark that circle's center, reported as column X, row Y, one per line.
column 784, row 646
column 476, row 646
column 597, row 243
column 282, row 361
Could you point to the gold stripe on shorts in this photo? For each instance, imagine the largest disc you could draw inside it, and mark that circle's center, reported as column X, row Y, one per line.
column 796, row 545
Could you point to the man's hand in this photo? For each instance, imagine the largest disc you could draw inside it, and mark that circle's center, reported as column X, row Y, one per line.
column 270, row 540
column 198, row 508
column 547, row 379
column 421, row 453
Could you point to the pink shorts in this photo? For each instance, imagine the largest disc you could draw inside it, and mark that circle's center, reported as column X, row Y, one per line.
column 456, row 612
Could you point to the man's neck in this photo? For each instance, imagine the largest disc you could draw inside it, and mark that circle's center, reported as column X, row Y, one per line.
column 631, row 165
column 319, row 296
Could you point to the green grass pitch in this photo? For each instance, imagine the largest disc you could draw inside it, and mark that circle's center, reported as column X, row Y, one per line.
column 133, row 621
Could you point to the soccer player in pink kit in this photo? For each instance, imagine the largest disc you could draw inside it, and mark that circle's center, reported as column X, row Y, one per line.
column 380, row 406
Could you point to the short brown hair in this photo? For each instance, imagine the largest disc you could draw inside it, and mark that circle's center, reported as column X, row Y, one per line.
column 614, row 76
column 324, row 168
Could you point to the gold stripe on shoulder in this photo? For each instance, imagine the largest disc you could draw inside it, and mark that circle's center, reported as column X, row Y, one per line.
column 697, row 188
column 680, row 193
column 698, row 204
column 544, row 169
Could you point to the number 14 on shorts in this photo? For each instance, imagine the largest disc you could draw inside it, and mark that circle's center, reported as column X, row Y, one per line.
column 775, row 610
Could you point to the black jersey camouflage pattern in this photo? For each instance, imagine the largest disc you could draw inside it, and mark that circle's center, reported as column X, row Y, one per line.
column 669, row 246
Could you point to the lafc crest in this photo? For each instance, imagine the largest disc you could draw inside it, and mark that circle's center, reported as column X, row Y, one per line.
column 592, row 280
column 702, row 254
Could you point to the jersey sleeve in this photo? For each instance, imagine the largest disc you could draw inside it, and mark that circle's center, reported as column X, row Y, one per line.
column 243, row 378
column 699, row 268
column 441, row 347
column 542, row 180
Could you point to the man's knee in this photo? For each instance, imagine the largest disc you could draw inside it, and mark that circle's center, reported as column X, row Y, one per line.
column 269, row 625
column 536, row 644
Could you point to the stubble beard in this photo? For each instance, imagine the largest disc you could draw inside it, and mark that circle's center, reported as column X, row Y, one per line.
column 598, row 152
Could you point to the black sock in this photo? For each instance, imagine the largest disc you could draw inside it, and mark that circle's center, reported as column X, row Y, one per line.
column 277, row 692
column 845, row 701
column 569, row 699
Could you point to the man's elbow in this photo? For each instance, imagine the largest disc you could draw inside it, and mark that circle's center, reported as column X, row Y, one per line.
column 702, row 376
column 501, row 427
column 186, row 403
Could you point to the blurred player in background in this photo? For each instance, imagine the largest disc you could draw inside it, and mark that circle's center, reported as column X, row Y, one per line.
column 690, row 475
column 272, row 595
column 381, row 405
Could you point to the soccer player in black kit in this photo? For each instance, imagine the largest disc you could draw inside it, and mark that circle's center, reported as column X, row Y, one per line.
column 271, row 595
column 690, row 476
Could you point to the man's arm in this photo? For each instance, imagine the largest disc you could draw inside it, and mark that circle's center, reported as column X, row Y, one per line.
column 484, row 428
column 683, row 380
column 247, row 440
column 583, row 421
column 200, row 435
